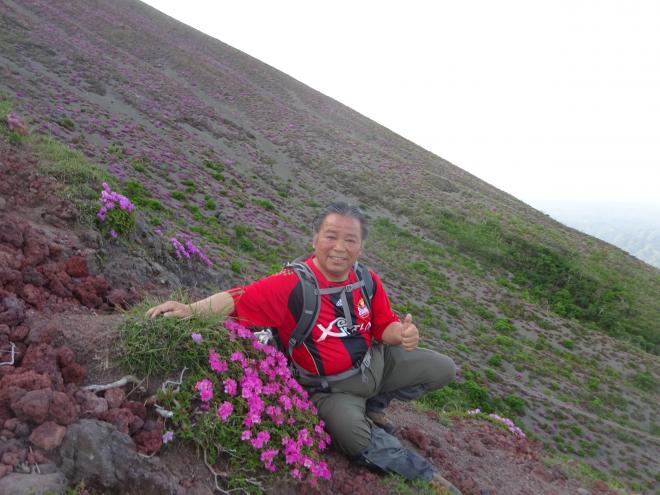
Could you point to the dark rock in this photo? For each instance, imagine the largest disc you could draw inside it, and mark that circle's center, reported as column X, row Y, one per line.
column 96, row 452
column 37, row 484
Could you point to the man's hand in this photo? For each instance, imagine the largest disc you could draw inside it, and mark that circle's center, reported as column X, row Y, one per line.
column 170, row 308
column 409, row 334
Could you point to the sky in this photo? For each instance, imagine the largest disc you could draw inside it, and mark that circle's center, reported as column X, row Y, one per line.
column 554, row 102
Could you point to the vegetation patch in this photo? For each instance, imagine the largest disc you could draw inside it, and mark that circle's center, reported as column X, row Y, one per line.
column 236, row 400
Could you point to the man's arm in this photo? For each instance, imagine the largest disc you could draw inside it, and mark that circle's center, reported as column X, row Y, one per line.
column 403, row 333
column 220, row 303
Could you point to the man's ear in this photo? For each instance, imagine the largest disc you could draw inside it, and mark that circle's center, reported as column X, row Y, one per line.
column 314, row 239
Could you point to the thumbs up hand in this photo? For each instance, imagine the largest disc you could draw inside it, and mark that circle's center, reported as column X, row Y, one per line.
column 409, row 334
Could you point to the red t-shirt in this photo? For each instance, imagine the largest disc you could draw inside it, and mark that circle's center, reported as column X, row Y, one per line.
column 276, row 301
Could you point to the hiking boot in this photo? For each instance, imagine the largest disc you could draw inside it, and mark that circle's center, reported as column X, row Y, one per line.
column 380, row 419
column 442, row 486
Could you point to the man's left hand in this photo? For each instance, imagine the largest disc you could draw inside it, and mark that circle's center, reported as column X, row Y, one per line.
column 409, row 334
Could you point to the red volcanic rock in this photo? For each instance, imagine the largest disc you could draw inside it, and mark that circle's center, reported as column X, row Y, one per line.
column 65, row 356
column 42, row 358
column 10, row 424
column 62, row 409
column 35, row 249
column 148, row 442
column 33, row 295
column 29, row 380
column 90, row 404
column 13, row 458
column 115, row 397
column 48, row 436
column 74, row 373
column 34, row 405
column 43, row 332
column 55, row 251
column 85, row 292
column 19, row 333
column 5, row 469
column 119, row 298
column 33, row 277
column 121, row 418
column 136, row 408
column 11, row 233
column 76, row 266
column 57, row 287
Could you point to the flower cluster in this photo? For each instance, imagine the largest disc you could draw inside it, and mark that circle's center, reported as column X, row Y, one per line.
column 116, row 211
column 252, row 392
column 505, row 421
column 189, row 249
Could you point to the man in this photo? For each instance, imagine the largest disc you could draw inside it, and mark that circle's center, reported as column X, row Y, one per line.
column 359, row 355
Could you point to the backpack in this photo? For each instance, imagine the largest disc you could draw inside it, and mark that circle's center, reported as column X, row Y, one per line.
column 311, row 295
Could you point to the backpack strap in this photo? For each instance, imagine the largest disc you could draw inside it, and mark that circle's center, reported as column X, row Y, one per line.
column 311, row 295
column 311, row 303
column 368, row 288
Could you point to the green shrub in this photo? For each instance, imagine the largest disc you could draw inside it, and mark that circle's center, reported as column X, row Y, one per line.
column 503, row 325
column 515, row 404
column 178, row 195
column 568, row 343
column 264, row 203
column 495, row 360
column 209, row 204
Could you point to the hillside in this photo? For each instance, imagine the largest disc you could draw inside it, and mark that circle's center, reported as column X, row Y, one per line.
column 213, row 146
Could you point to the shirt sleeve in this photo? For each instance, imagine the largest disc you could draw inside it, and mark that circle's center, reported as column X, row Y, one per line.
column 263, row 303
column 381, row 312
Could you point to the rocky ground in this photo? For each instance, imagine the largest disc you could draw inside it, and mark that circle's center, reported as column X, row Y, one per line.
column 58, row 330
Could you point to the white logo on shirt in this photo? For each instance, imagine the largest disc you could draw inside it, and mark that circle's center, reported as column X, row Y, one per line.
column 344, row 331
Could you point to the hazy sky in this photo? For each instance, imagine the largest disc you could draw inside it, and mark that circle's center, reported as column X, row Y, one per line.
column 553, row 100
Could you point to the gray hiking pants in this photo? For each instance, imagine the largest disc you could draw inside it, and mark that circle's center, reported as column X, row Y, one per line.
column 393, row 374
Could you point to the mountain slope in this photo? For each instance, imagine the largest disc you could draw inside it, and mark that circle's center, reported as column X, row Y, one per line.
column 215, row 146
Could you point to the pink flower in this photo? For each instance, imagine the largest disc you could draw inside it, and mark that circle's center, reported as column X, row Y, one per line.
column 205, row 388
column 260, row 440
column 225, row 410
column 267, row 457
column 216, row 364
column 246, row 435
column 230, row 386
column 197, row 337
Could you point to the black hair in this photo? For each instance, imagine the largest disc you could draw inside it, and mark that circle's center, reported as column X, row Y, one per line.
column 344, row 209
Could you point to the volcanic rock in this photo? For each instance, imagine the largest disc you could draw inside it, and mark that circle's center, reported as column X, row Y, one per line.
column 48, row 435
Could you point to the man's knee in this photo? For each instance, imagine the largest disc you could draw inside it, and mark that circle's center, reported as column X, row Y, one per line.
column 444, row 371
column 345, row 421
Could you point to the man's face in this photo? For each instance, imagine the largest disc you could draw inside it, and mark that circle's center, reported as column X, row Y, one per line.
column 337, row 246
